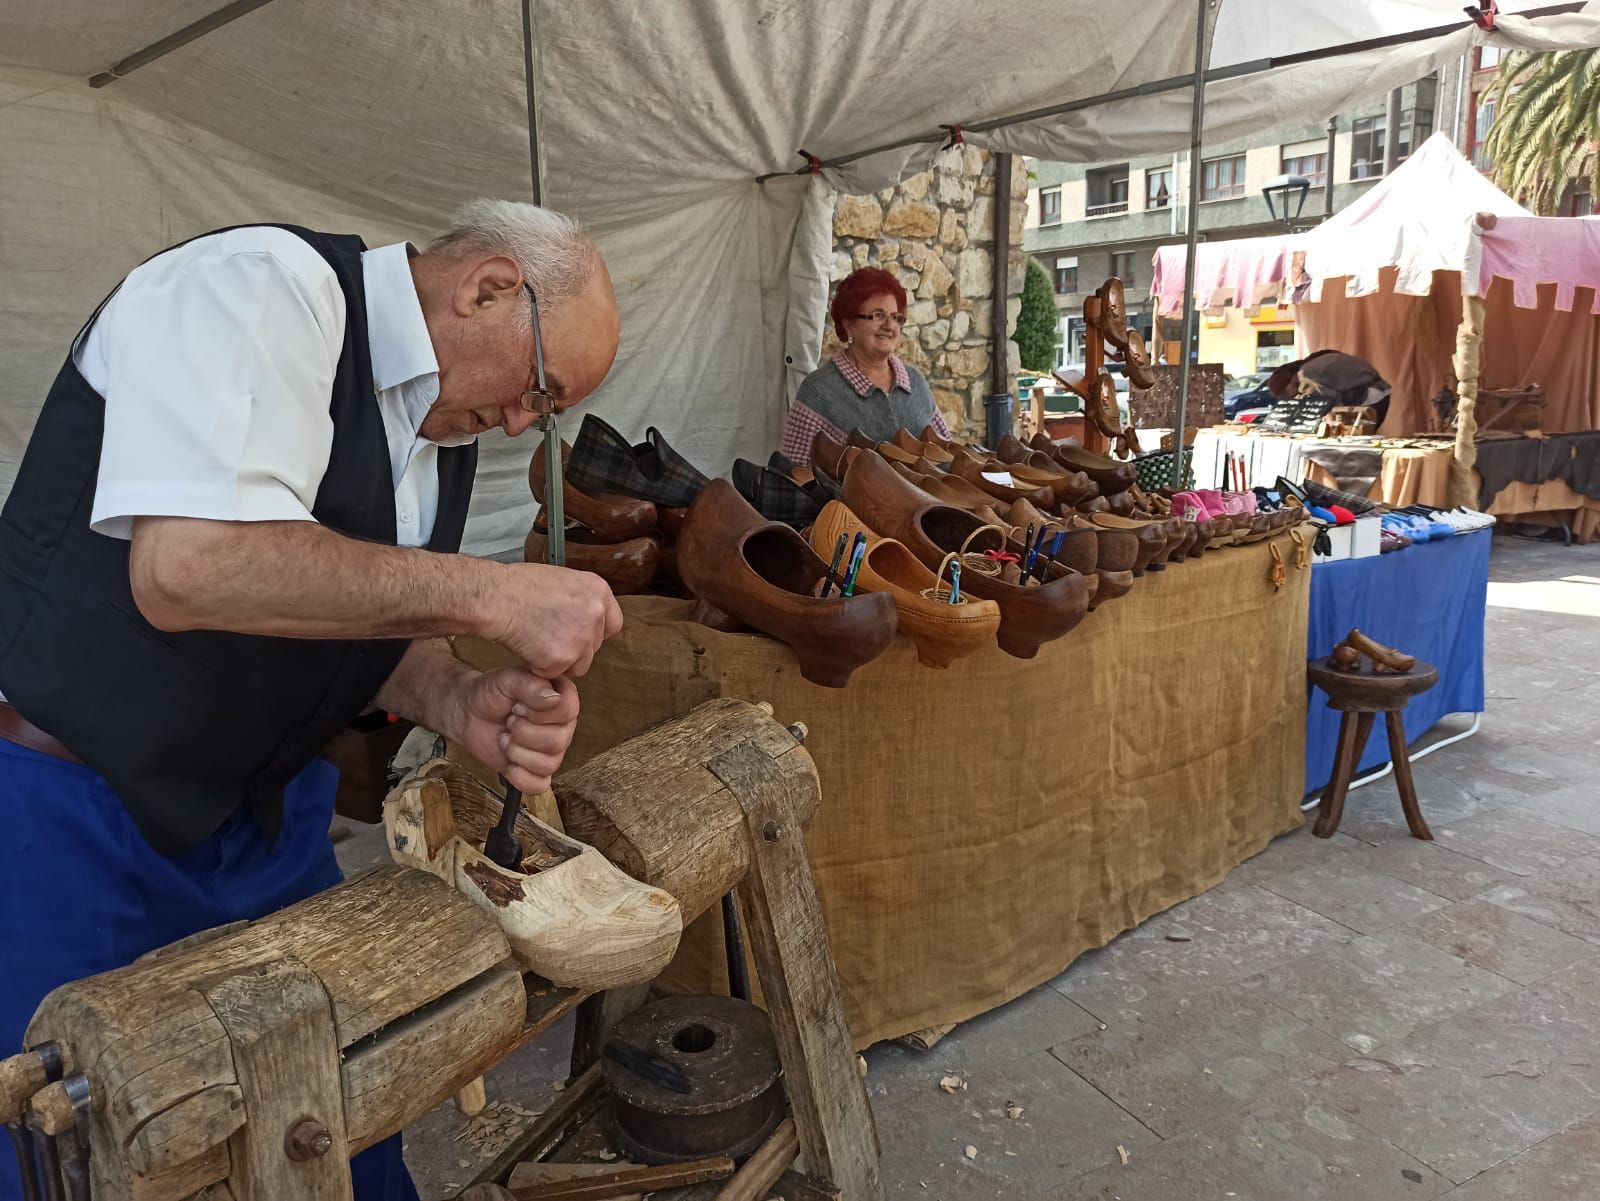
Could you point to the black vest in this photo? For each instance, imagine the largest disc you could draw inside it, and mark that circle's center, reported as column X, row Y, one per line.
column 187, row 727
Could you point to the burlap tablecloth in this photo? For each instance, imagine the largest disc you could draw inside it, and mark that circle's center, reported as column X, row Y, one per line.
column 982, row 826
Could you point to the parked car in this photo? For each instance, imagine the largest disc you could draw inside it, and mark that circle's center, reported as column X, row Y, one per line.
column 1246, row 392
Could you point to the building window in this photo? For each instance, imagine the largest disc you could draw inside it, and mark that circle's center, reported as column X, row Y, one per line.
column 1482, row 123
column 1157, row 189
column 1274, row 348
column 1108, row 190
column 1222, row 178
column 1582, row 205
column 1308, row 166
column 1122, row 267
column 1488, row 56
column 1366, row 147
column 1050, row 206
column 1066, row 275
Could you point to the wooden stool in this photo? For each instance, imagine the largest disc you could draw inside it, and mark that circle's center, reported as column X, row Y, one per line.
column 1361, row 696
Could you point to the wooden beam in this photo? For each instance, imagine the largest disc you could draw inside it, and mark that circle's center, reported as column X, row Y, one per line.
column 783, row 923
column 579, row 1097
column 614, row 1185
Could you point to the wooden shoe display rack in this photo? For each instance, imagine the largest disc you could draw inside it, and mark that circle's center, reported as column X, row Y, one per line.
column 249, row 1062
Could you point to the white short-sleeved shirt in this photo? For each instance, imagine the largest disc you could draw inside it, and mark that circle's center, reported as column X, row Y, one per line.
column 216, row 361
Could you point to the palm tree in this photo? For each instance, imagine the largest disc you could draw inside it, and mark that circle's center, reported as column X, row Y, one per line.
column 1546, row 132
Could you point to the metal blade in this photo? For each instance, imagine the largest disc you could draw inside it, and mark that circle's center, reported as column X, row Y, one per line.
column 554, row 509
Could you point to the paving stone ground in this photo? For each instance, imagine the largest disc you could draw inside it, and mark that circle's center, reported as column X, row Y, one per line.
column 1423, row 1020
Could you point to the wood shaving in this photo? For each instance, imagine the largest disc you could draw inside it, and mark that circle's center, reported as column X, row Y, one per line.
column 970, row 1151
column 608, row 1156
column 497, row 1125
column 1013, row 1110
column 952, row 1084
column 1122, row 1154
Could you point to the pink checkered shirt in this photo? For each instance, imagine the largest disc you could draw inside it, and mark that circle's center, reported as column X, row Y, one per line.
column 806, row 423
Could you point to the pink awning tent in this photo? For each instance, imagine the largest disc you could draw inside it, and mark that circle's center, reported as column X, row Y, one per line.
column 1244, row 272
column 1530, row 251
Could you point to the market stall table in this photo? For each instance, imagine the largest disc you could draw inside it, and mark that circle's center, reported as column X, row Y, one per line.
column 985, row 825
column 1427, row 600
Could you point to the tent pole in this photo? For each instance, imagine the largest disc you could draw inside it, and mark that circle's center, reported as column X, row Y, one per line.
column 1202, row 56
column 1469, row 347
column 535, row 159
column 227, row 14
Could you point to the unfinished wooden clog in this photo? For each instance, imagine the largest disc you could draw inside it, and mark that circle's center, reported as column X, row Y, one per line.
column 570, row 914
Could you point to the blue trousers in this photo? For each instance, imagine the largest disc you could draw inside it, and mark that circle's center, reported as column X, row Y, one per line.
column 82, row 892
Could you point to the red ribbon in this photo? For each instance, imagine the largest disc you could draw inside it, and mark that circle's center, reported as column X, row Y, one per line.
column 1002, row 556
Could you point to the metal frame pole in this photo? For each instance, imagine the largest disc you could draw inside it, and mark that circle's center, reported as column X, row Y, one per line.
column 535, row 161
column 1202, row 59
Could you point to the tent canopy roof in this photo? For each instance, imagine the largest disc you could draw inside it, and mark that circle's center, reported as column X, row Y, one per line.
column 656, row 120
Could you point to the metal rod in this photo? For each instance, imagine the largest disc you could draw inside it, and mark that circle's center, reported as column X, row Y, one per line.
column 49, row 1166
column 998, row 335
column 535, row 168
column 1202, row 56
column 555, row 511
column 733, row 944
column 225, row 15
column 1327, row 171
column 27, row 1166
column 1174, row 84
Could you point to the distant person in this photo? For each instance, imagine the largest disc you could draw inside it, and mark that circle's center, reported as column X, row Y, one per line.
column 866, row 386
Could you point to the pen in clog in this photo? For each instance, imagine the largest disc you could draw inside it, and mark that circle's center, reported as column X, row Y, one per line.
column 833, row 568
column 857, row 553
column 1050, row 556
column 955, row 582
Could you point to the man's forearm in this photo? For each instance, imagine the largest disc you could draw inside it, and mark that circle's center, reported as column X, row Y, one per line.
column 425, row 686
column 298, row 579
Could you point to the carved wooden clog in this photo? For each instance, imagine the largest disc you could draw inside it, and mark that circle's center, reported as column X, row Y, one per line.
column 941, row 632
column 1030, row 615
column 570, row 915
column 1151, row 535
column 934, row 453
column 626, row 566
column 1111, row 475
column 827, row 453
column 613, row 518
column 969, row 467
column 767, row 576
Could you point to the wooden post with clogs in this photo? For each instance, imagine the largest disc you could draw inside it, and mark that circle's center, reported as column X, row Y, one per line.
column 252, row 1061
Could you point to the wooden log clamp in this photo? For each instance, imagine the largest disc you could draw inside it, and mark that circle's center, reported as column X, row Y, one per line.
column 248, row 1063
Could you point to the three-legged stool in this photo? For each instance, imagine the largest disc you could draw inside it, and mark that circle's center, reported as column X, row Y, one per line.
column 1361, row 696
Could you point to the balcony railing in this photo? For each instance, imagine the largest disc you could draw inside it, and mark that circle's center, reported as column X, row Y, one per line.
column 1105, row 210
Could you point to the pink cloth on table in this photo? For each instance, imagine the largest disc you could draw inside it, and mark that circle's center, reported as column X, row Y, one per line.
column 1529, row 251
column 1242, row 272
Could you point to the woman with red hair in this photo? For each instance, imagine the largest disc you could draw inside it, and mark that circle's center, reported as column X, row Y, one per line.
column 866, row 387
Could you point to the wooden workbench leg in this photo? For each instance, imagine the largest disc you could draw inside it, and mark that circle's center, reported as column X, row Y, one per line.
column 1401, row 758
column 597, row 1016
column 784, row 928
column 286, row 1054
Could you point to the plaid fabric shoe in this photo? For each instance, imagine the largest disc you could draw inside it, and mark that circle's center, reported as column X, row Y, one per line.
column 775, row 497
column 602, row 460
column 824, row 487
column 1320, row 494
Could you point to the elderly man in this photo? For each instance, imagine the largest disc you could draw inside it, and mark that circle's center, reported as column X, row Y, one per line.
column 234, row 530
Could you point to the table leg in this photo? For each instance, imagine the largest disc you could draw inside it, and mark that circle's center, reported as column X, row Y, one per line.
column 1402, row 777
column 1353, row 731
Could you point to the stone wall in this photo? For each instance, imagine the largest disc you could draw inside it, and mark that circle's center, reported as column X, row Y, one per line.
column 935, row 233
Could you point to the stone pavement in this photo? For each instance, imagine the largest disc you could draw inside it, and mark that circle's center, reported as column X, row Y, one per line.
column 1364, row 1018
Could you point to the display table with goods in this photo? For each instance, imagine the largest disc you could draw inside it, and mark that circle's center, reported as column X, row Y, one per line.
column 1394, row 471
column 1043, row 709
column 1428, row 597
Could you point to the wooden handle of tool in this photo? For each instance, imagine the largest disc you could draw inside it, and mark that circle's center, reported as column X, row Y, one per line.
column 20, row 1077
column 50, row 1110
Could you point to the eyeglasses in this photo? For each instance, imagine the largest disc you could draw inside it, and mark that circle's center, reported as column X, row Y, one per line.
column 536, row 397
column 878, row 317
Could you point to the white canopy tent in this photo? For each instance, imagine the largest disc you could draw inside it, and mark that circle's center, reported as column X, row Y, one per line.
column 670, row 128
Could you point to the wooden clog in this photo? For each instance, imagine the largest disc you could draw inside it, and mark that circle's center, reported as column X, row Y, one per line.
column 827, row 452
column 613, row 518
column 767, row 575
column 941, row 632
column 1110, row 475
column 969, row 467
column 569, row 914
column 626, row 566
column 909, row 442
column 1030, row 615
column 1151, row 536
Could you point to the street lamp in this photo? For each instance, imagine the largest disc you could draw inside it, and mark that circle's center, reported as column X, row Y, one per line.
column 1285, row 187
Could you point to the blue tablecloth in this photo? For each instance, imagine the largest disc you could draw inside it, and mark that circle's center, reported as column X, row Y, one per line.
column 1427, row 600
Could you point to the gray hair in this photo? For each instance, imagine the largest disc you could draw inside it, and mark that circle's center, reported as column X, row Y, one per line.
column 556, row 256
